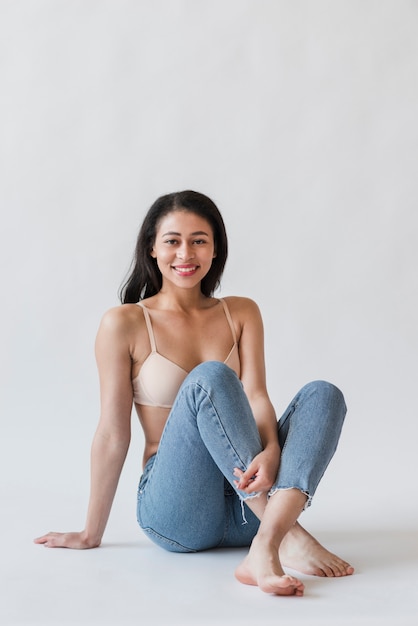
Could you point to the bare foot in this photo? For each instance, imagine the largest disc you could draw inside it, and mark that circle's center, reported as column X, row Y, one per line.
column 302, row 552
column 262, row 568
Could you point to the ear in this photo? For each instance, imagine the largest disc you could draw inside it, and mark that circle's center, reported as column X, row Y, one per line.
column 152, row 253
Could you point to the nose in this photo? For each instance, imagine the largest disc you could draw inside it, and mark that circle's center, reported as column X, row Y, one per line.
column 185, row 252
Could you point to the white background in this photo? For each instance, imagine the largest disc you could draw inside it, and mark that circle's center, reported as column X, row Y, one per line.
column 299, row 119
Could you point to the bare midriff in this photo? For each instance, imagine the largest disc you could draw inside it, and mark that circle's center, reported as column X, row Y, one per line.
column 152, row 420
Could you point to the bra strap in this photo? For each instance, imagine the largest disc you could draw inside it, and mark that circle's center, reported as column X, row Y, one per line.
column 149, row 327
column 229, row 318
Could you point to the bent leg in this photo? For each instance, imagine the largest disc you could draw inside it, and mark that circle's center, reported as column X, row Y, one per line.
column 210, row 430
column 308, row 432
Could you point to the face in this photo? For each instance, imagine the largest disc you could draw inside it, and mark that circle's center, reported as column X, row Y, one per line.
column 184, row 248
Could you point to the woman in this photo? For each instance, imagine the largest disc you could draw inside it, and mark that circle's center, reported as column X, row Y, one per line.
column 194, row 367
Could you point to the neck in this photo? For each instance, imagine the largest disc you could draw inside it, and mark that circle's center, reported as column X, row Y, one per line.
column 181, row 299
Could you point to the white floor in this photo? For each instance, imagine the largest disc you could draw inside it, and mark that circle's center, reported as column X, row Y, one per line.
column 125, row 582
column 129, row 580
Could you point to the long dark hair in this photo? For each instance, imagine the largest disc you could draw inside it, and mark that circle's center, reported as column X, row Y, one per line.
column 144, row 278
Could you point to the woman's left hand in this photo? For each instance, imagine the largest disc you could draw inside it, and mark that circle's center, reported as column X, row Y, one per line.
column 261, row 473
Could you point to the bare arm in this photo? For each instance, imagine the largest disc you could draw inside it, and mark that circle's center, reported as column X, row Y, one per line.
column 112, row 437
column 265, row 465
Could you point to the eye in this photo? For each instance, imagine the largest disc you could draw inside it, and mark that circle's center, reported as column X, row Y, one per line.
column 199, row 242
column 170, row 242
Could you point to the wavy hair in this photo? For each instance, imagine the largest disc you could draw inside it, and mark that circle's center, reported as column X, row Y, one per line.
column 144, row 277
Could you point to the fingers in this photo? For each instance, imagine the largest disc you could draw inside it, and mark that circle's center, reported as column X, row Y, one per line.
column 42, row 539
column 242, row 481
column 246, row 481
column 74, row 540
column 49, row 540
column 252, row 480
column 59, row 540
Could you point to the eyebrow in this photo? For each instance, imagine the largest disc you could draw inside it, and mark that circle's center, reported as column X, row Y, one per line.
column 197, row 232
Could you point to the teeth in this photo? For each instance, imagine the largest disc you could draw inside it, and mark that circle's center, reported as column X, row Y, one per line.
column 185, row 270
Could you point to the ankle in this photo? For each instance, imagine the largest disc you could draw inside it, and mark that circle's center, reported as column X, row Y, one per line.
column 266, row 541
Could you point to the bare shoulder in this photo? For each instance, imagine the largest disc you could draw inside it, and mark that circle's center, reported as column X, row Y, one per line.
column 242, row 309
column 121, row 320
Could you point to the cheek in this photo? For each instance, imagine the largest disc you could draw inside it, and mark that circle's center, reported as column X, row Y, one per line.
column 164, row 261
column 161, row 255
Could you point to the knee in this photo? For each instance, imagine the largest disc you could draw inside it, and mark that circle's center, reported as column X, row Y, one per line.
column 328, row 392
column 213, row 370
column 213, row 376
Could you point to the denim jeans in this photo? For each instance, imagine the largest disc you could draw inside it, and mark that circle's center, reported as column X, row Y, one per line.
column 186, row 497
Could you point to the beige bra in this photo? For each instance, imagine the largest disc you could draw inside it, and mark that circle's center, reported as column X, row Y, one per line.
column 159, row 379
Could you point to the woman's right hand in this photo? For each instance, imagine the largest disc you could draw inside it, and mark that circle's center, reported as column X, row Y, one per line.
column 76, row 541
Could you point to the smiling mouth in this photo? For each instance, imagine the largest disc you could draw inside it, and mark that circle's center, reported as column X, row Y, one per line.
column 185, row 269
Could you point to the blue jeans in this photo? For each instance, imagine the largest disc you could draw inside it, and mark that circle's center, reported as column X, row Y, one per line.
column 186, row 498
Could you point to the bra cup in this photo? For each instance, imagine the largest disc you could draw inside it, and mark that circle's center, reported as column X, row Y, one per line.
column 158, row 381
